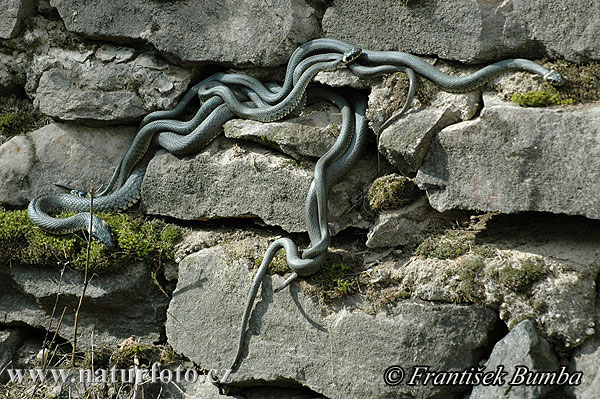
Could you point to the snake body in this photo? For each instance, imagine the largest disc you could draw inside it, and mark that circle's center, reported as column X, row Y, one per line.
column 121, row 200
column 226, row 95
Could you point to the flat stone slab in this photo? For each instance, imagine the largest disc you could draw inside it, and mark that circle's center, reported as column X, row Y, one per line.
column 72, row 155
column 486, row 30
column 340, row 354
column 116, row 306
column 243, row 180
column 512, row 159
column 228, row 32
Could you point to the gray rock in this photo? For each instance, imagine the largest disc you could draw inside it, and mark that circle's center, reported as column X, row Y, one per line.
column 512, row 159
column 292, row 340
column 71, row 155
column 107, row 85
column 228, row 32
column 115, row 307
column 309, row 135
column 522, row 347
column 485, row 30
column 404, row 225
column 13, row 13
column 406, row 142
column 586, row 360
column 561, row 299
column 10, row 341
column 231, row 180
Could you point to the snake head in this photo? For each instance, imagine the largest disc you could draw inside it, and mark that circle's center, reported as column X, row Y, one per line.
column 77, row 193
column 101, row 232
column 554, row 78
column 351, row 55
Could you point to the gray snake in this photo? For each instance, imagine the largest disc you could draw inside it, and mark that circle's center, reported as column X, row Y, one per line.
column 228, row 95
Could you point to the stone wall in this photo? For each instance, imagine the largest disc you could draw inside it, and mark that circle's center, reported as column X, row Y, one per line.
column 478, row 247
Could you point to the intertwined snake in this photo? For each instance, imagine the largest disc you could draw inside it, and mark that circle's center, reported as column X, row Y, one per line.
column 228, row 95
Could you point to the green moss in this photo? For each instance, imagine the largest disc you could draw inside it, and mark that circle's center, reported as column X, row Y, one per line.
column 519, row 278
column 137, row 239
column 334, row 281
column 18, row 117
column 390, row 192
column 543, row 98
column 452, row 244
column 279, row 264
column 582, row 85
column 466, row 287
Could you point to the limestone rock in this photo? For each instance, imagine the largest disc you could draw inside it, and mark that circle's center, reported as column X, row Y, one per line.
column 106, row 85
column 309, row 135
column 228, row 32
column 513, row 159
column 290, row 339
column 70, row 155
column 522, row 347
column 586, row 359
column 543, row 270
column 486, row 31
column 13, row 13
column 406, row 142
column 115, row 307
column 238, row 180
column 10, row 341
column 404, row 225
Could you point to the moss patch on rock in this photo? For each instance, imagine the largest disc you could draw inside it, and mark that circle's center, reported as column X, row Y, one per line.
column 519, row 277
column 582, row 85
column 390, row 192
column 136, row 239
column 452, row 244
column 18, row 116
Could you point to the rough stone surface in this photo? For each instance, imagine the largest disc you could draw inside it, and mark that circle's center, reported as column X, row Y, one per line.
column 292, row 339
column 561, row 300
column 521, row 347
column 404, row 225
column 512, row 159
column 115, row 307
column 59, row 153
column 13, row 13
column 309, row 135
column 107, row 85
column 486, row 31
column 228, row 32
column 586, row 359
column 406, row 142
column 237, row 180
column 10, row 341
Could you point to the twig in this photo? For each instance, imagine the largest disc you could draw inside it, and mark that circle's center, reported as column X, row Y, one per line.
column 85, row 275
column 44, row 344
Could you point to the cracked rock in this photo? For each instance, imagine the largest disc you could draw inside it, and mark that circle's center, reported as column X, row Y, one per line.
column 522, row 347
column 116, row 306
column 71, row 155
column 512, row 159
column 227, row 32
column 243, row 180
column 291, row 338
column 486, row 31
